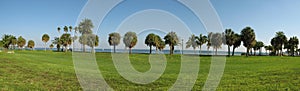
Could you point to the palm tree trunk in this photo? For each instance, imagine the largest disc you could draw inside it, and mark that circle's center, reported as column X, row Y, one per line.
column 45, row 46
column 129, row 50
column 200, row 50
column 114, row 48
column 171, row 49
column 83, row 47
column 150, row 49
column 247, row 53
column 228, row 51
column 233, row 51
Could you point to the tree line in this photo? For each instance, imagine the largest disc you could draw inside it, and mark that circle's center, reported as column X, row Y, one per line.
column 233, row 40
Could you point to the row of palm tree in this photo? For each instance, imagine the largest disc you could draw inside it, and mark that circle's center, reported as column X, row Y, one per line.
column 11, row 42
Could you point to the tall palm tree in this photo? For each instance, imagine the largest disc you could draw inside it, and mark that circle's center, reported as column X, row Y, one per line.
column 209, row 41
column 66, row 29
column 85, row 28
column 258, row 46
column 114, row 40
column 130, row 40
column 58, row 29
column 70, row 28
column 150, row 41
column 294, row 42
column 66, row 40
column 237, row 42
column 92, row 41
column 192, row 42
column 31, row 44
column 229, row 39
column 21, row 42
column 249, row 39
column 278, row 41
column 202, row 39
column 216, row 41
column 45, row 39
column 172, row 40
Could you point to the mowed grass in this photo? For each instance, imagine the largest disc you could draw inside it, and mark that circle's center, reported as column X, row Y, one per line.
column 40, row 70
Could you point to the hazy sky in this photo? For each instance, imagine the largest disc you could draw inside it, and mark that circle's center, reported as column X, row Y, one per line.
column 32, row 18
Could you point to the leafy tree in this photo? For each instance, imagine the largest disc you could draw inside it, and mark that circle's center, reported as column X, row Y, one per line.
column 202, row 39
column 58, row 29
column 159, row 43
column 278, row 41
column 248, row 38
column 216, row 41
column 237, row 42
column 66, row 40
column 130, row 40
column 7, row 40
column 269, row 48
column 21, row 42
column 31, row 44
column 258, row 46
column 114, row 40
column 229, row 39
column 92, row 41
column 209, row 41
column 150, row 41
column 172, row 40
column 57, row 42
column 192, row 42
column 14, row 42
column 294, row 42
column 45, row 39
column 85, row 28
column 51, row 46
column 66, row 29
column 70, row 28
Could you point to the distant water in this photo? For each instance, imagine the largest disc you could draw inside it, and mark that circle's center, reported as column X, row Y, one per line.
column 154, row 51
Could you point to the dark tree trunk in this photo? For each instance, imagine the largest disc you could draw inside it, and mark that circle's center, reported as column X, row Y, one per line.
column 129, row 50
column 114, row 48
column 247, row 53
column 150, row 49
column 228, row 51
column 233, row 51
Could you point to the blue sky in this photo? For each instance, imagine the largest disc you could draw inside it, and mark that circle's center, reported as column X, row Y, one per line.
column 32, row 18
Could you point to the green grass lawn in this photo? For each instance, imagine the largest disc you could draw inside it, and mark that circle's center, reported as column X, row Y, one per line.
column 40, row 70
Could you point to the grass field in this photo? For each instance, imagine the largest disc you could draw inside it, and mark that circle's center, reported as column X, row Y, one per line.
column 39, row 70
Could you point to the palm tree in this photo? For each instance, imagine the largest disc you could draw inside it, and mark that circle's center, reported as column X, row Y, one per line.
column 192, row 42
column 31, row 44
column 216, row 41
column 66, row 40
column 58, row 29
column 202, row 39
column 172, row 40
column 58, row 43
column 159, row 44
column 45, row 39
column 130, row 40
column 7, row 40
column 114, row 40
column 248, row 38
column 209, row 41
column 229, row 39
column 258, row 46
column 66, row 29
column 51, row 46
column 237, row 42
column 294, row 42
column 14, row 42
column 85, row 28
column 279, row 40
column 150, row 41
column 70, row 28
column 269, row 48
column 21, row 42
column 92, row 41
